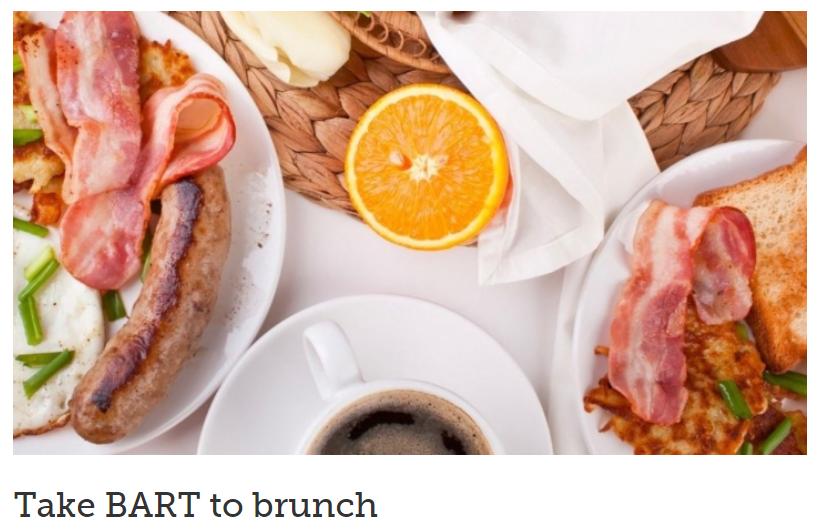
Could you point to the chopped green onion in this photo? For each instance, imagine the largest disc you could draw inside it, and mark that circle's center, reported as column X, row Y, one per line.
column 791, row 381
column 146, row 265
column 112, row 303
column 38, row 264
column 18, row 64
column 746, row 449
column 42, row 277
column 365, row 13
column 31, row 114
column 742, row 332
column 776, row 438
column 147, row 244
column 22, row 137
column 31, row 228
column 734, row 399
column 37, row 360
column 31, row 322
column 33, row 384
column 796, row 377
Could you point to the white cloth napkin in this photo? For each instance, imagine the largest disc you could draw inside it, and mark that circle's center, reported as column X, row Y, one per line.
column 558, row 84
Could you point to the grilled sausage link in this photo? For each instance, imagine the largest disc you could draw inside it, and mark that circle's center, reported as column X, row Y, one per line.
column 141, row 361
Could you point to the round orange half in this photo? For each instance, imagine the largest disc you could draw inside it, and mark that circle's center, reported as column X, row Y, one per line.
column 426, row 167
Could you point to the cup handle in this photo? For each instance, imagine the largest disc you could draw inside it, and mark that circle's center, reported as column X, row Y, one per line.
column 331, row 359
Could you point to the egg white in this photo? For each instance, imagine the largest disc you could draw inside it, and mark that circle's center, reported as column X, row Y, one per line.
column 71, row 317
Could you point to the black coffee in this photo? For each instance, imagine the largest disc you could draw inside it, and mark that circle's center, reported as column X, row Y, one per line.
column 401, row 423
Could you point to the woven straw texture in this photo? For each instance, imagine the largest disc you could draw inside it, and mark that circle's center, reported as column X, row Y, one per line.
column 399, row 35
column 696, row 106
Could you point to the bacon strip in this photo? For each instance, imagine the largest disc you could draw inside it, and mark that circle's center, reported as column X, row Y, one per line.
column 40, row 60
column 707, row 252
column 724, row 263
column 188, row 129
column 97, row 60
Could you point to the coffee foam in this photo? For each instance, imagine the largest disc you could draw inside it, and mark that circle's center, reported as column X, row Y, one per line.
column 400, row 423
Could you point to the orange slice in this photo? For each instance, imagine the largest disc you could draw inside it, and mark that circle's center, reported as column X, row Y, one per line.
column 426, row 167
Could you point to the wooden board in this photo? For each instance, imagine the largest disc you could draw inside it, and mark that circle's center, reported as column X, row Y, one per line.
column 799, row 23
column 778, row 43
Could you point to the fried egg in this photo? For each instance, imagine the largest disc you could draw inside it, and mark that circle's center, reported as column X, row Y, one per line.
column 71, row 318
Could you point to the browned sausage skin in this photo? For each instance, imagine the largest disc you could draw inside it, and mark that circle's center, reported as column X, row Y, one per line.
column 141, row 361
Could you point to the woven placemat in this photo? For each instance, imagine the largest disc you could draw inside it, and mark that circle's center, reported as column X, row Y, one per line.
column 696, row 106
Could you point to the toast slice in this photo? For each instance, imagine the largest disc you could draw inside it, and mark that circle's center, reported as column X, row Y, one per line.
column 775, row 203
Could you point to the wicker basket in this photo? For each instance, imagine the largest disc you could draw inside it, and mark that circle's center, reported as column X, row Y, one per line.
column 696, row 106
column 397, row 34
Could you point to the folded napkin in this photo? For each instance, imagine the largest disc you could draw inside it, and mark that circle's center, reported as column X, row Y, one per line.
column 558, row 84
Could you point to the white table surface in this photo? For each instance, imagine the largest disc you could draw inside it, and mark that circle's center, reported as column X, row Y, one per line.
column 330, row 255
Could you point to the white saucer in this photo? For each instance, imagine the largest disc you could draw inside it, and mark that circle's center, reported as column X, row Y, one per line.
column 269, row 399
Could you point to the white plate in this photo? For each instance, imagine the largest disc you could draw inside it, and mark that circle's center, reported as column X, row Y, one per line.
column 254, row 263
column 722, row 165
column 269, row 400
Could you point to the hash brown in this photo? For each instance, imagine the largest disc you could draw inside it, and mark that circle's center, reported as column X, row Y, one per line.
column 161, row 66
column 800, row 430
column 713, row 354
column 34, row 164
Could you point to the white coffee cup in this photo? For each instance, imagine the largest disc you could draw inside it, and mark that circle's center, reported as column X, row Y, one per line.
column 340, row 384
